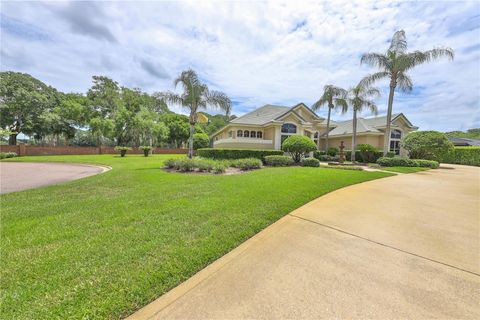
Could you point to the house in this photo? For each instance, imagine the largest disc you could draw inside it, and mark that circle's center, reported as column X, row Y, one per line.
column 465, row 142
column 268, row 126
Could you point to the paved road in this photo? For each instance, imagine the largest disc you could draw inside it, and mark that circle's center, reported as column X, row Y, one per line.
column 17, row 176
column 401, row 247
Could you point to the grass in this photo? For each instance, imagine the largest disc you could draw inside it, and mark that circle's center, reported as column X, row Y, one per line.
column 104, row 246
column 404, row 169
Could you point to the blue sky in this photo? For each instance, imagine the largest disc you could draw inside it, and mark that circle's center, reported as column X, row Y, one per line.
column 256, row 52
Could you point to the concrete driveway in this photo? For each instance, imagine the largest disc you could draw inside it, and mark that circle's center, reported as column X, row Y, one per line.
column 17, row 176
column 401, row 247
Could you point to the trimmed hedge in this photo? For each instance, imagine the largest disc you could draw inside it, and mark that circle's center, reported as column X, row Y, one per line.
column 463, row 155
column 279, row 161
column 310, row 162
column 218, row 153
column 404, row 162
column 364, row 156
column 247, row 164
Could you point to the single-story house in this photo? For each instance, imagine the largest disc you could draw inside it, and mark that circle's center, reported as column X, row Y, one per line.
column 465, row 142
column 268, row 126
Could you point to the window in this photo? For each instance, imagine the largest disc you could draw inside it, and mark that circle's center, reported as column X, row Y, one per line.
column 239, row 133
column 253, row 134
column 246, row 133
column 289, row 128
column 395, row 137
column 259, row 134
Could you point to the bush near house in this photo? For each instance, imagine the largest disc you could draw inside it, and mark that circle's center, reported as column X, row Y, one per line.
column 247, row 164
column 218, row 153
column 297, row 146
column 310, row 162
column 332, row 151
column 404, row 162
column 6, row 155
column 320, row 155
column 428, row 145
column 278, row 161
column 463, row 155
column 200, row 140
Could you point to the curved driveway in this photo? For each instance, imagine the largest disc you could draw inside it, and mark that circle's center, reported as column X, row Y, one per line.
column 17, row 176
column 401, row 247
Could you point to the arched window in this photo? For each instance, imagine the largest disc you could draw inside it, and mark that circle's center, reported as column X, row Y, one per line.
column 239, row 133
column 396, row 134
column 259, row 134
column 253, row 134
column 395, row 137
column 289, row 128
column 246, row 133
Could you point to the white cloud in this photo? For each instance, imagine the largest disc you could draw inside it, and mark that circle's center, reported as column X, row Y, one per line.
column 256, row 52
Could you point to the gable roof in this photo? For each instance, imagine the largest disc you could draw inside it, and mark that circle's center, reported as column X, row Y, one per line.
column 465, row 142
column 269, row 113
column 366, row 125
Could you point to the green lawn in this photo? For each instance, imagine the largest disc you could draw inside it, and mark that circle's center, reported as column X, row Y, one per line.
column 404, row 169
column 104, row 246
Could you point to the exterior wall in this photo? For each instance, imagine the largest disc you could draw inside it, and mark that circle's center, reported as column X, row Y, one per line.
column 240, row 145
column 374, row 140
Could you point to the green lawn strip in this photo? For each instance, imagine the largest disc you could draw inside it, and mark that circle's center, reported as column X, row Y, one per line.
column 404, row 169
column 104, row 246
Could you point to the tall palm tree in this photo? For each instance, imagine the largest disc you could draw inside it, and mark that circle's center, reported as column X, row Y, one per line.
column 195, row 96
column 394, row 65
column 359, row 98
column 334, row 97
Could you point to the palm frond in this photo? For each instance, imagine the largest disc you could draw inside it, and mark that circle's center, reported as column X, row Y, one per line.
column 376, row 60
column 399, row 42
column 372, row 78
column 371, row 106
column 218, row 100
column 171, row 98
column 320, row 102
column 188, row 79
column 342, row 104
column 404, row 82
column 372, row 92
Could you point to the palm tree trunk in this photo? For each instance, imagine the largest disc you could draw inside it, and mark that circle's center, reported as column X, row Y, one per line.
column 190, row 141
column 354, row 135
column 386, row 138
column 328, row 129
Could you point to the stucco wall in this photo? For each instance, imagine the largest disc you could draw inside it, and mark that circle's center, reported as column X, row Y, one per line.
column 237, row 145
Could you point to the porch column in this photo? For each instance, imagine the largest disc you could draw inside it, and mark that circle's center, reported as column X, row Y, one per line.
column 278, row 138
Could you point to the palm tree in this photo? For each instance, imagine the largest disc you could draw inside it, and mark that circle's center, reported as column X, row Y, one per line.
column 394, row 65
column 334, row 97
column 195, row 96
column 359, row 99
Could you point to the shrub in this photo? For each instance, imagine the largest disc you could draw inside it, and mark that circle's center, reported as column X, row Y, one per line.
column 297, row 146
column 429, row 145
column 318, row 153
column 324, row 157
column 365, row 156
column 404, row 162
column 170, row 163
column 279, row 161
column 185, row 164
column 123, row 150
column 310, row 162
column 214, row 153
column 219, row 167
column 332, row 151
column 6, row 155
column 345, row 168
column 390, row 154
column 463, row 155
column 247, row 164
column 200, row 140
column 146, row 150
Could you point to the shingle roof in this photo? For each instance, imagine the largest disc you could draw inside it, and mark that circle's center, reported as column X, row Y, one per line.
column 363, row 125
column 465, row 141
column 261, row 115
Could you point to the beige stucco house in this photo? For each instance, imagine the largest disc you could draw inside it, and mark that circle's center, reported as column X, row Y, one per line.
column 268, row 126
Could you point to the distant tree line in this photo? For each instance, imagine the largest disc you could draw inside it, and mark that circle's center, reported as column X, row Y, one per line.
column 107, row 114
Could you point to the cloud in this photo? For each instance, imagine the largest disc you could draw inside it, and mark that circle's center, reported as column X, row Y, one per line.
column 153, row 69
column 282, row 57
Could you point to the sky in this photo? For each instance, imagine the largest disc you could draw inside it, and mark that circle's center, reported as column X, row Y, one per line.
column 256, row 52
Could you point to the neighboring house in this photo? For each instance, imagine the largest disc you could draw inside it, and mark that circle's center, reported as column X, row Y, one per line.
column 268, row 126
column 465, row 142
